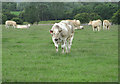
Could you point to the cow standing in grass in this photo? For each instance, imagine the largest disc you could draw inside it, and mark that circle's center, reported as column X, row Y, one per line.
column 106, row 24
column 10, row 23
column 96, row 24
column 62, row 33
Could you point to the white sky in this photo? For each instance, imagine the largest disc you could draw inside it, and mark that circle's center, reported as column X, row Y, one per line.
column 60, row 0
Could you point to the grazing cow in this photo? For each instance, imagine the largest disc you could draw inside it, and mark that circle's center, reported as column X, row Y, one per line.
column 80, row 27
column 10, row 23
column 106, row 24
column 96, row 24
column 62, row 33
column 74, row 23
column 23, row 26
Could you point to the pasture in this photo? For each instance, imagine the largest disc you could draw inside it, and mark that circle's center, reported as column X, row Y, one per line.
column 28, row 55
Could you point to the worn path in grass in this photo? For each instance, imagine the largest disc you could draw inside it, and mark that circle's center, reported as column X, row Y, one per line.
column 28, row 55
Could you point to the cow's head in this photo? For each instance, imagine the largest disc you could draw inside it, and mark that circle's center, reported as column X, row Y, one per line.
column 90, row 23
column 55, row 31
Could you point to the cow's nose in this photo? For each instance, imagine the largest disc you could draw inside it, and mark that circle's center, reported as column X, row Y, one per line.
column 56, row 39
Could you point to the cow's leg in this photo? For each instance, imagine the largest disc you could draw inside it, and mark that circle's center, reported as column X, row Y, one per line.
column 98, row 28
column 6, row 26
column 108, row 27
column 66, row 46
column 93, row 28
column 63, row 45
column 56, row 44
column 14, row 26
column 70, row 42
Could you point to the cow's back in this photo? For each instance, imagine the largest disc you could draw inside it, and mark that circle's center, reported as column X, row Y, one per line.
column 106, row 22
column 95, row 23
column 10, row 22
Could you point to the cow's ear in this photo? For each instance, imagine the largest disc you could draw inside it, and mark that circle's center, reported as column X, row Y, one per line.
column 51, row 31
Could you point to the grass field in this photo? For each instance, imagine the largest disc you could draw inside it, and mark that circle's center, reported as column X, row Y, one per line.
column 28, row 55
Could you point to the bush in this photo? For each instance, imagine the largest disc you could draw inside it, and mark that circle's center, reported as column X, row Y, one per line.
column 83, row 17
column 94, row 16
column 26, row 23
column 18, row 20
column 86, row 17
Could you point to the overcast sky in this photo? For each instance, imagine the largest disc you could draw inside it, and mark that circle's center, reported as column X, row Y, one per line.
column 60, row 0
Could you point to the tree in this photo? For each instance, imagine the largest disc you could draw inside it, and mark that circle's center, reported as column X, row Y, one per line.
column 8, row 14
column 11, row 6
column 83, row 17
column 30, row 14
column 43, row 12
column 83, row 9
column 115, row 17
column 18, row 20
column 4, row 18
column 86, row 17
column 94, row 16
column 57, row 10
column 106, row 10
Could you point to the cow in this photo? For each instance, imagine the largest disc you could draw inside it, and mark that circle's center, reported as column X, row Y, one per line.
column 100, row 23
column 62, row 33
column 80, row 27
column 106, row 24
column 10, row 23
column 23, row 26
column 74, row 23
column 96, row 24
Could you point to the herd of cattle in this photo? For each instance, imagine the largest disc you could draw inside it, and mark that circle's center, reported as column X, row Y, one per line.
column 14, row 25
column 63, row 32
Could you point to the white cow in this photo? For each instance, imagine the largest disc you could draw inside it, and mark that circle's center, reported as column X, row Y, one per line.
column 74, row 23
column 100, row 22
column 106, row 24
column 10, row 23
column 96, row 24
column 23, row 26
column 80, row 27
column 62, row 33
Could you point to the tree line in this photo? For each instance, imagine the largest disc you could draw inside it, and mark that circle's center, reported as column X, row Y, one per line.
column 42, row 11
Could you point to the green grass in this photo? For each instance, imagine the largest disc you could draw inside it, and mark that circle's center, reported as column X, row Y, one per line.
column 15, row 12
column 28, row 55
